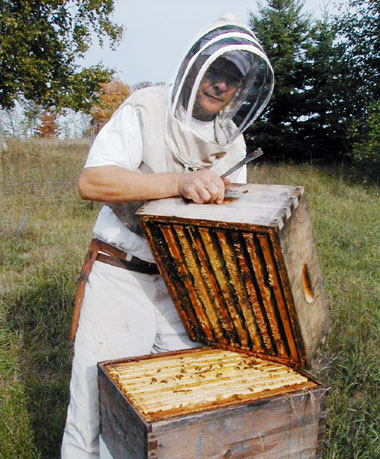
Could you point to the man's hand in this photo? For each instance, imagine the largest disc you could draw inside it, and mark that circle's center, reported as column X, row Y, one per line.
column 202, row 186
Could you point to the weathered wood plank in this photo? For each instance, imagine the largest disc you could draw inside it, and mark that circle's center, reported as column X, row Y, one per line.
column 121, row 427
column 281, row 427
column 299, row 254
column 270, row 205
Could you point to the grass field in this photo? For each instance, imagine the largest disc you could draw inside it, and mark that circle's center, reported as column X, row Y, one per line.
column 45, row 229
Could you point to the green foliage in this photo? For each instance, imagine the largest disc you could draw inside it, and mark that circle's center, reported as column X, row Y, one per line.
column 327, row 74
column 39, row 45
column 32, row 113
column 296, row 121
column 359, row 29
column 366, row 136
column 322, row 130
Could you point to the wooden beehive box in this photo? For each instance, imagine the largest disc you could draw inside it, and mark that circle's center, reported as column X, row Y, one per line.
column 245, row 279
column 209, row 403
column 243, row 275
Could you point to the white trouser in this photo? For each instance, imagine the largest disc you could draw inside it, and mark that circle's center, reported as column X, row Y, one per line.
column 124, row 314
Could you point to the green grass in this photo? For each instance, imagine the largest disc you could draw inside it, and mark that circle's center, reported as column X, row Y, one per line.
column 44, row 232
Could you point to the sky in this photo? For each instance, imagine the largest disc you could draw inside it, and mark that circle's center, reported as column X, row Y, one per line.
column 158, row 33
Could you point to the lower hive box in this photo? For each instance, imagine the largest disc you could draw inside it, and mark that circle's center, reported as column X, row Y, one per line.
column 209, row 403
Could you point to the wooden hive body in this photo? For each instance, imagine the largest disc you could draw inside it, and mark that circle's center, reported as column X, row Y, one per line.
column 245, row 280
column 209, row 403
column 243, row 275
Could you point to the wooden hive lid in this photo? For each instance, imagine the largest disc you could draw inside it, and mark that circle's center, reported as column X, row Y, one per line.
column 252, row 204
column 237, row 271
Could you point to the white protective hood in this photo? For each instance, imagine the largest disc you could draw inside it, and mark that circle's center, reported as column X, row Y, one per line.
column 229, row 42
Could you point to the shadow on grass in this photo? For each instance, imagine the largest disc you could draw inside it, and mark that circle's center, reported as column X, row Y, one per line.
column 41, row 314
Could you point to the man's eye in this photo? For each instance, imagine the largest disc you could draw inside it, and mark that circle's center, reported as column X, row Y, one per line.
column 231, row 79
column 215, row 75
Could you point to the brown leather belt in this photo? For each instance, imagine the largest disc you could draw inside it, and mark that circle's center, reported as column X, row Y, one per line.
column 101, row 251
column 113, row 256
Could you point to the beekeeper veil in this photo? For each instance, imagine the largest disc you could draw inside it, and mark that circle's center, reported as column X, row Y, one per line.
column 239, row 83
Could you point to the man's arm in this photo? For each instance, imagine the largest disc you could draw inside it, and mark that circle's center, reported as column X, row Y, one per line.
column 116, row 184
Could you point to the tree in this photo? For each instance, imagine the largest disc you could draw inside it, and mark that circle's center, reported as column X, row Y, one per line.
column 287, row 37
column 40, row 42
column 366, row 137
column 359, row 30
column 359, row 47
column 352, row 89
column 310, row 111
column 32, row 113
column 49, row 126
column 10, row 122
column 75, row 124
column 323, row 129
column 110, row 96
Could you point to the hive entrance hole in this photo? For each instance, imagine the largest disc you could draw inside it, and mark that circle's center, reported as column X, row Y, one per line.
column 307, row 288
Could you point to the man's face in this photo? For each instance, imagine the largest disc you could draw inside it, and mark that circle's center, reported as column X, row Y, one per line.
column 216, row 89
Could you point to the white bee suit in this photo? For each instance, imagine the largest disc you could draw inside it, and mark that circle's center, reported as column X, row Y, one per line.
column 126, row 313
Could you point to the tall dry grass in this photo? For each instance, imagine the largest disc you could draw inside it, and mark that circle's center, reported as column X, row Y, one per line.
column 44, row 232
column 44, row 228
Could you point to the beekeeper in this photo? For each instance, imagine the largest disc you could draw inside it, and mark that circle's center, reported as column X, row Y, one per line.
column 161, row 142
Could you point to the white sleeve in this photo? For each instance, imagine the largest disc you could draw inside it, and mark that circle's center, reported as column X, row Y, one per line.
column 242, row 177
column 119, row 142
